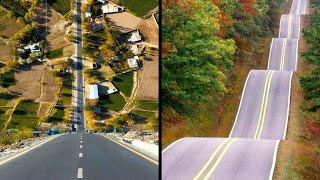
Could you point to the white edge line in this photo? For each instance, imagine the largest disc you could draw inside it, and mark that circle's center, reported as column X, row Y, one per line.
column 297, row 56
column 299, row 30
column 134, row 151
column 288, row 107
column 172, row 144
column 274, row 159
column 270, row 53
column 28, row 150
column 281, row 20
column 244, row 89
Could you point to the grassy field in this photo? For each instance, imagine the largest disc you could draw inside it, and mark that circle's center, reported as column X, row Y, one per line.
column 124, row 83
column 7, row 79
column 148, row 105
column 25, row 115
column 140, row 7
column 3, row 117
column 5, row 98
column 114, row 102
column 56, row 115
column 57, row 53
column 66, row 92
column 62, row 6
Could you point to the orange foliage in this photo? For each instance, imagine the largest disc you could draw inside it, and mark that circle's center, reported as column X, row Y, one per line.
column 248, row 6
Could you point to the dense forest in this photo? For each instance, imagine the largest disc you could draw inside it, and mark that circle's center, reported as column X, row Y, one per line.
column 202, row 40
column 311, row 81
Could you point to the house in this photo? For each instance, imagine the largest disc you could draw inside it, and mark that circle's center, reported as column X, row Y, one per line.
column 33, row 47
column 93, row 92
column 135, row 49
column 133, row 62
column 106, row 88
column 135, row 36
column 110, row 7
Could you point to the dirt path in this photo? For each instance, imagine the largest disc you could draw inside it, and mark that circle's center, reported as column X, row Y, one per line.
column 17, row 101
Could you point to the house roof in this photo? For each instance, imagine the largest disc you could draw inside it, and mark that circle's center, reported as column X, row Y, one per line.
column 33, row 47
column 93, row 91
column 133, row 62
column 111, row 8
column 135, row 36
column 107, row 88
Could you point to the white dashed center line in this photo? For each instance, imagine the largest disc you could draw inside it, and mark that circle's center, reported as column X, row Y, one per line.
column 80, row 141
column 80, row 173
column 80, row 155
column 80, row 146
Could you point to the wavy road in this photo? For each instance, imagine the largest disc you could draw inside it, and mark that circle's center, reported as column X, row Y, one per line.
column 261, row 122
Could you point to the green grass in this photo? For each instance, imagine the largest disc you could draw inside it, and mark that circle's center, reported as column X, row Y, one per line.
column 56, row 53
column 7, row 79
column 124, row 83
column 62, row 6
column 5, row 98
column 56, row 115
column 140, row 7
column 66, row 91
column 114, row 102
column 148, row 105
column 25, row 115
column 145, row 114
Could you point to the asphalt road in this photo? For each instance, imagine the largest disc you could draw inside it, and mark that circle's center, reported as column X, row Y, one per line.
column 78, row 90
column 298, row 7
column 264, row 106
column 60, row 159
column 283, row 54
column 219, row 158
column 289, row 26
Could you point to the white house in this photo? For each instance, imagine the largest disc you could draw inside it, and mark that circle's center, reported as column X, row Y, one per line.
column 33, row 47
column 88, row 12
column 110, row 7
column 135, row 36
column 106, row 88
column 133, row 62
column 135, row 49
column 93, row 91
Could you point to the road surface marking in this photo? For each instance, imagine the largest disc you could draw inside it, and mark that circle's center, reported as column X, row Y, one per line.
column 211, row 158
column 134, row 151
column 31, row 148
column 288, row 108
column 263, row 107
column 243, row 91
column 163, row 151
column 274, row 159
column 80, row 141
column 289, row 25
column 219, row 159
column 270, row 50
column 80, row 173
column 80, row 146
column 283, row 53
column 81, row 155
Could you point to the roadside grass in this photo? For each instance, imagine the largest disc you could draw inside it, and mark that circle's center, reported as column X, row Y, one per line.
column 61, row 6
column 57, row 115
column 25, row 115
column 140, row 7
column 124, row 83
column 57, row 53
column 144, row 114
column 114, row 102
column 3, row 116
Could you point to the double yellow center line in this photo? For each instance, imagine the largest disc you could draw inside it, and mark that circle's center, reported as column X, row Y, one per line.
column 283, row 53
column 214, row 160
column 263, row 107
